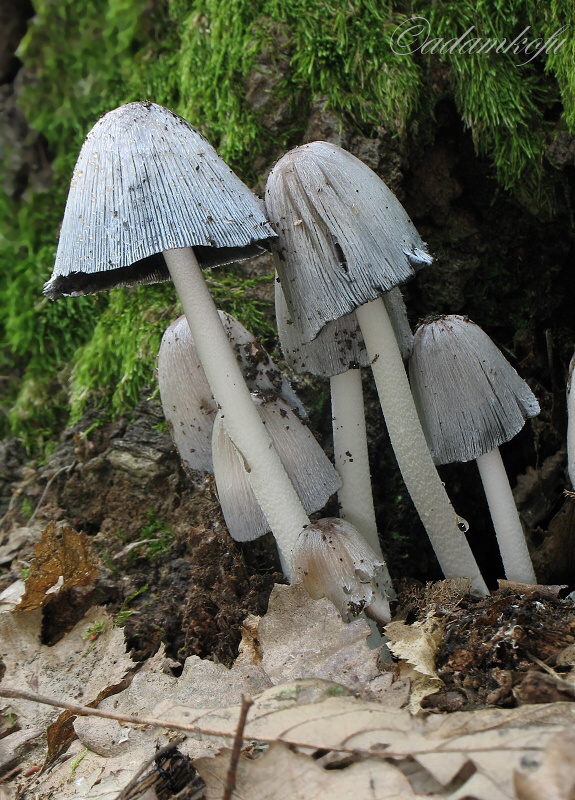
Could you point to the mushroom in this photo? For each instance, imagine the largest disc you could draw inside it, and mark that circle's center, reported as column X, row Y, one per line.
column 571, row 424
column 150, row 199
column 471, row 400
column 202, row 440
column 308, row 467
column 331, row 559
column 187, row 400
column 343, row 241
column 338, row 352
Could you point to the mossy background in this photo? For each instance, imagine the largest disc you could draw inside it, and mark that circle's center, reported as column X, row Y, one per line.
column 84, row 57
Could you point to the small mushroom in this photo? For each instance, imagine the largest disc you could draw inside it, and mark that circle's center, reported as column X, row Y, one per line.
column 471, row 400
column 331, row 559
column 344, row 240
column 151, row 198
column 202, row 440
column 308, row 467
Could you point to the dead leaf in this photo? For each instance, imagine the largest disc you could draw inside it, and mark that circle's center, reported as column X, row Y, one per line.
column 280, row 773
column 299, row 637
column 62, row 558
column 554, row 777
column 75, row 669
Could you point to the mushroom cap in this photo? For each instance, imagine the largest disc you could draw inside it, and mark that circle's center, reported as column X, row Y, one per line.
column 311, row 472
column 469, row 397
column 147, row 181
column 339, row 345
column 343, row 237
column 187, row 400
column 331, row 559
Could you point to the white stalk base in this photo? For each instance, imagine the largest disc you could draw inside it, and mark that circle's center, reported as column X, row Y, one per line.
column 413, row 457
column 571, row 423
column 508, row 528
column 271, row 485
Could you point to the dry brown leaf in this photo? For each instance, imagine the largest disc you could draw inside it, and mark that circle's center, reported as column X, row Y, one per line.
column 554, row 778
column 467, row 754
column 280, row 773
column 416, row 646
column 416, row 643
column 299, row 637
column 76, row 669
column 62, row 558
column 202, row 682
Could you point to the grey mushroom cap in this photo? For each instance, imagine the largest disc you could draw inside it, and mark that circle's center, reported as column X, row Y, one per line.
column 338, row 347
column 343, row 237
column 147, row 181
column 469, row 397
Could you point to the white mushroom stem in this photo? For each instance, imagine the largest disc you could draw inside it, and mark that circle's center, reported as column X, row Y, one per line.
column 571, row 424
column 352, row 462
column 351, row 455
column 508, row 528
column 267, row 476
column 413, row 457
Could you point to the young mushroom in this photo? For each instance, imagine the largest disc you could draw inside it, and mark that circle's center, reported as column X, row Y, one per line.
column 343, row 241
column 332, row 560
column 199, row 432
column 470, row 401
column 151, row 199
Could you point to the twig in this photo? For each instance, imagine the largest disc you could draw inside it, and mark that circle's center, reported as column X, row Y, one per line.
column 87, row 711
column 158, row 754
column 247, row 703
column 47, row 488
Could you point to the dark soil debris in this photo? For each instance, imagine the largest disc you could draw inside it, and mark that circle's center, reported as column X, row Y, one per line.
column 515, row 647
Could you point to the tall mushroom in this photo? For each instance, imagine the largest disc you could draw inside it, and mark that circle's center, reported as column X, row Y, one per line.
column 571, row 424
column 151, row 199
column 470, row 401
column 344, row 240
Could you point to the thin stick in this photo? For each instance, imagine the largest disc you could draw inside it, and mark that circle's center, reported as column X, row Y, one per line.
column 247, row 703
column 158, row 754
column 69, row 468
column 87, row 711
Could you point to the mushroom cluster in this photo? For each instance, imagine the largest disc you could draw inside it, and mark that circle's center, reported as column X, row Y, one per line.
column 202, row 440
column 344, row 240
column 151, row 200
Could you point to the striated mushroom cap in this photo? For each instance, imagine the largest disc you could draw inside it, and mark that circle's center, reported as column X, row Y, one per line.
column 147, row 181
column 309, row 469
column 331, row 559
column 187, row 400
column 344, row 238
column 339, row 346
column 468, row 396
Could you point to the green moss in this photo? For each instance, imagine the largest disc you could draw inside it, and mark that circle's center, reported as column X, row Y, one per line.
column 84, row 57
